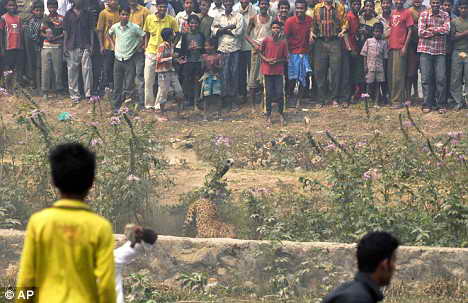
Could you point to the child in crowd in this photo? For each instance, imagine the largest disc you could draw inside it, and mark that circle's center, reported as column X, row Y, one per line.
column 182, row 18
column 211, row 79
column 167, row 77
column 459, row 34
column 128, row 38
column 375, row 51
column 107, row 18
column 52, row 50
column 33, row 44
column 14, row 50
column 139, row 240
column 191, row 50
column 274, row 53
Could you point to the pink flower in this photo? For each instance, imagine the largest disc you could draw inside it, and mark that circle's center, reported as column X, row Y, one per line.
column 36, row 113
column 94, row 123
column 96, row 141
column 455, row 135
column 7, row 73
column 407, row 124
column 4, row 92
column 123, row 110
column 115, row 121
column 371, row 174
column 94, row 99
column 365, row 95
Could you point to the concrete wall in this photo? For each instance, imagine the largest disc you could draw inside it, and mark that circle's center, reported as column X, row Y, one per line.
column 244, row 262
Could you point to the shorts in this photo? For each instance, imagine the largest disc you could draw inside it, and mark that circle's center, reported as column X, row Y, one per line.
column 375, row 76
column 211, row 85
column 274, row 87
column 168, row 81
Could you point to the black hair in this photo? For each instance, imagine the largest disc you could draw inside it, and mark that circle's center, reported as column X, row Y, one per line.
column 463, row 2
column 369, row 1
column 300, row 2
column 354, row 1
column 444, row 1
column 37, row 4
column 284, row 2
column 149, row 236
column 73, row 168
column 166, row 33
column 378, row 26
column 374, row 248
column 125, row 9
column 281, row 24
column 52, row 3
column 268, row 1
column 159, row 2
column 193, row 17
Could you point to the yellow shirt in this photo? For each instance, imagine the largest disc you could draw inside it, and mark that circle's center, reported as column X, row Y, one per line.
column 106, row 19
column 68, row 255
column 139, row 15
column 341, row 24
column 154, row 26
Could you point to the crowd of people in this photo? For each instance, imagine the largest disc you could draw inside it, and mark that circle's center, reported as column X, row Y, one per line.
column 333, row 50
column 69, row 256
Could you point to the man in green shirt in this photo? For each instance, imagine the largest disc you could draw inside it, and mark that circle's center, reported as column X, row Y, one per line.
column 459, row 35
column 126, row 38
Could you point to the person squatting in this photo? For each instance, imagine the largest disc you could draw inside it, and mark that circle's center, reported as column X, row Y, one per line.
column 336, row 52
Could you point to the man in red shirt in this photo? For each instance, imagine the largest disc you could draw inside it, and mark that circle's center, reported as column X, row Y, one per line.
column 401, row 23
column 12, row 26
column 328, row 29
column 297, row 33
column 433, row 28
column 274, row 55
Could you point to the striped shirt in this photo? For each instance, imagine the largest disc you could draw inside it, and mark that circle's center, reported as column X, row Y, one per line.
column 433, row 30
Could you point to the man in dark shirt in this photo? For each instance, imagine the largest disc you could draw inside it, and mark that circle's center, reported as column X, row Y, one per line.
column 78, row 32
column 376, row 257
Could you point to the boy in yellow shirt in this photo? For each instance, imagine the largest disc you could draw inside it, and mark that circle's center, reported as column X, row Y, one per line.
column 68, row 250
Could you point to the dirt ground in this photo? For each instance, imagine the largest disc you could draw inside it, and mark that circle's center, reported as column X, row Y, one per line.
column 188, row 171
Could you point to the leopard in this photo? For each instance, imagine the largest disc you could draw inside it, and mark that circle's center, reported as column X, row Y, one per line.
column 202, row 221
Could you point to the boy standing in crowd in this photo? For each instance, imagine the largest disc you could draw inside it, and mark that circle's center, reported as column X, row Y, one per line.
column 191, row 49
column 229, row 28
column 328, row 28
column 413, row 56
column 138, row 15
column 297, row 32
column 78, row 32
column 128, row 38
column 33, row 44
column 274, row 54
column 205, row 20
column 107, row 18
column 68, row 249
column 216, row 9
column 14, row 51
column 167, row 77
column 375, row 51
column 459, row 30
column 154, row 24
column 433, row 28
column 52, row 50
column 401, row 23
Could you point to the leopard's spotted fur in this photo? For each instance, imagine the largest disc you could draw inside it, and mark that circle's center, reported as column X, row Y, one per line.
column 202, row 221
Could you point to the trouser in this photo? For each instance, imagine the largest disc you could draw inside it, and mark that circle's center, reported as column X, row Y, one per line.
column 345, row 79
column 97, row 62
column 52, row 69
column 124, row 77
column 168, row 81
column 79, row 59
column 397, row 76
column 108, row 68
column 274, row 88
column 230, row 86
column 33, row 62
column 139, row 60
column 14, row 60
column 433, row 80
column 254, row 75
column 150, row 77
column 244, row 68
column 328, row 55
column 191, row 72
column 459, row 76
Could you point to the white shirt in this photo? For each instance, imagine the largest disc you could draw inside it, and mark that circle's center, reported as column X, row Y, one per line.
column 215, row 11
column 249, row 13
column 123, row 256
column 228, row 43
column 182, row 20
column 63, row 7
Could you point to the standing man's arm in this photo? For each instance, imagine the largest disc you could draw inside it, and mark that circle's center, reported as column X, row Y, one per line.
column 409, row 21
column 100, row 31
column 110, row 36
column 423, row 30
column 105, row 268
column 27, row 271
